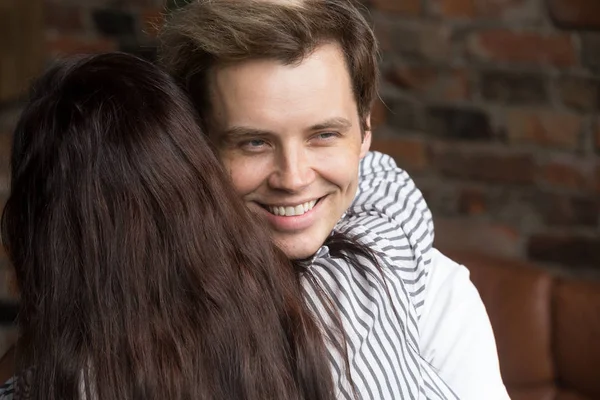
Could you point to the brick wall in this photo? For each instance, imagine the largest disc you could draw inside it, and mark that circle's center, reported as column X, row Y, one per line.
column 493, row 107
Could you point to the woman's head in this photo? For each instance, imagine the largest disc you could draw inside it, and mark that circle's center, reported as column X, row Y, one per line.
column 140, row 271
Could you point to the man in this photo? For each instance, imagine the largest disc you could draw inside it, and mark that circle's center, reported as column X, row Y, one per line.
column 284, row 90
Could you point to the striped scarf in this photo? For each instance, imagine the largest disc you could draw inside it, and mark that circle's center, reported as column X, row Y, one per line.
column 379, row 308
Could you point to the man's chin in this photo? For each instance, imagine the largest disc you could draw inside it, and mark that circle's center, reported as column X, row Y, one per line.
column 298, row 250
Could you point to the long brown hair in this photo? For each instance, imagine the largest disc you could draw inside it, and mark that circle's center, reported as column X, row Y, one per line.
column 141, row 274
column 205, row 34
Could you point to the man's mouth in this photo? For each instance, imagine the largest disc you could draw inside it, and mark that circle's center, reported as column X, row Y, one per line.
column 291, row 210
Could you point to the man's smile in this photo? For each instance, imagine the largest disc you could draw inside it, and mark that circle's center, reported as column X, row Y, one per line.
column 289, row 209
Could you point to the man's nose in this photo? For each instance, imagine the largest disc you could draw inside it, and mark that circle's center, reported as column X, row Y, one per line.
column 294, row 171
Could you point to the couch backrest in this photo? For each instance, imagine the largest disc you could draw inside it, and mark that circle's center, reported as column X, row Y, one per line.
column 547, row 328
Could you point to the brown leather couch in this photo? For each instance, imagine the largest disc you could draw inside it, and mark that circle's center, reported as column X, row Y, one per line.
column 547, row 328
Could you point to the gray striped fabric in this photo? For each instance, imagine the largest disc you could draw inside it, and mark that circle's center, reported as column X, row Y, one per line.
column 7, row 390
column 390, row 216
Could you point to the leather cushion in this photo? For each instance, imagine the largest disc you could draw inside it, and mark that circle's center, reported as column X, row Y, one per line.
column 517, row 299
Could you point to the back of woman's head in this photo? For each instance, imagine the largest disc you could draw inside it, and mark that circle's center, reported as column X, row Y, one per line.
column 141, row 274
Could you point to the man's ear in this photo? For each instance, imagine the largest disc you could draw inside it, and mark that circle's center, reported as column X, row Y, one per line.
column 366, row 139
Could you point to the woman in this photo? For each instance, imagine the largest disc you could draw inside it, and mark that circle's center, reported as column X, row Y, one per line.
column 141, row 274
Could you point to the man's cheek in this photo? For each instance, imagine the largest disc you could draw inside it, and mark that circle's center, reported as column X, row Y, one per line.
column 240, row 177
column 228, row 164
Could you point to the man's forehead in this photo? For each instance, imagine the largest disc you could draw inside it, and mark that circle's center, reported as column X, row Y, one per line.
column 270, row 95
column 325, row 58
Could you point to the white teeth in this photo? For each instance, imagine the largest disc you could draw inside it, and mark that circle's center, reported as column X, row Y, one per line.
column 291, row 211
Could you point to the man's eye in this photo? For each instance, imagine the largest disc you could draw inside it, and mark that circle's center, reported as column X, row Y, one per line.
column 326, row 135
column 253, row 145
column 256, row 142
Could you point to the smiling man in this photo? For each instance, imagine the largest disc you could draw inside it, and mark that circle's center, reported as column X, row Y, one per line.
column 294, row 161
column 284, row 90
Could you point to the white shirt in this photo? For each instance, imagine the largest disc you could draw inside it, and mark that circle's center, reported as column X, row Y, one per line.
column 456, row 335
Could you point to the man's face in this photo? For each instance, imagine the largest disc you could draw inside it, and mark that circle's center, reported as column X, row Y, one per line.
column 290, row 137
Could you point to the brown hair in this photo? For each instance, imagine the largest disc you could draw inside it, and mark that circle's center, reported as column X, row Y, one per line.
column 205, row 34
column 142, row 275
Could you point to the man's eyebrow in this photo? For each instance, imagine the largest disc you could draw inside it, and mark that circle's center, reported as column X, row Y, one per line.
column 242, row 131
column 336, row 122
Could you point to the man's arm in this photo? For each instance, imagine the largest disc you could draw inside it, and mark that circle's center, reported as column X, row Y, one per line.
column 405, row 224
column 456, row 336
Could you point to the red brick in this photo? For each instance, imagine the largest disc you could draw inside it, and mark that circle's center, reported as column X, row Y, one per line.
column 406, row 7
column 62, row 17
column 484, row 165
column 580, row 14
column 458, row 123
column 513, row 9
column 71, row 45
column 523, row 47
column 410, row 154
column 590, row 49
column 564, row 175
column 513, row 87
column 568, row 210
column 472, row 202
column 423, row 41
column 455, row 8
column 156, row 3
column 152, row 21
column 509, row 9
column 459, row 234
column 383, row 34
column 579, row 93
column 404, row 114
column 430, row 82
column 598, row 178
column 378, row 114
column 417, row 78
column 571, row 250
column 456, row 86
column 544, row 128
